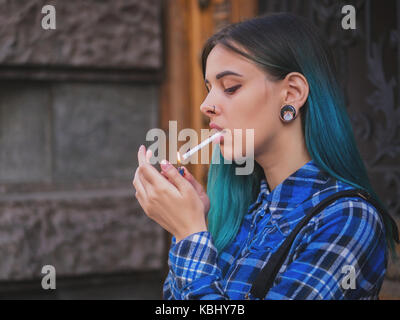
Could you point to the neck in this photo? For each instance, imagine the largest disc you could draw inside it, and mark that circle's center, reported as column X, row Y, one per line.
column 283, row 157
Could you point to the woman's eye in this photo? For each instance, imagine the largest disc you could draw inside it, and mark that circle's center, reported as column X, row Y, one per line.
column 232, row 89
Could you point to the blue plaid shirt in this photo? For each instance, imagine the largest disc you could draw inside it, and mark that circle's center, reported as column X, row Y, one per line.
column 346, row 238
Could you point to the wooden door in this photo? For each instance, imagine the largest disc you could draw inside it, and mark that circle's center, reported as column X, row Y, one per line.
column 188, row 24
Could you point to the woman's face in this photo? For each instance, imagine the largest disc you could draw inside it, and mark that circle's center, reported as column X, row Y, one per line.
column 247, row 100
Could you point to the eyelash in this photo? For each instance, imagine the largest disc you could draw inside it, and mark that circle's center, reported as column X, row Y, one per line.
column 232, row 89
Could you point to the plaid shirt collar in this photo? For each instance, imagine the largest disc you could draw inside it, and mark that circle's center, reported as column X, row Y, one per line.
column 295, row 189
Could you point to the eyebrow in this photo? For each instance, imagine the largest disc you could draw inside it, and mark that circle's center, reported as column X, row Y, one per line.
column 223, row 74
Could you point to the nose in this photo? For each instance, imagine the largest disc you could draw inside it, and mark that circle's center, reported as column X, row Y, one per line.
column 208, row 110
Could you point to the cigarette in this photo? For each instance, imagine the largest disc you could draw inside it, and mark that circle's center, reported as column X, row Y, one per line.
column 201, row 145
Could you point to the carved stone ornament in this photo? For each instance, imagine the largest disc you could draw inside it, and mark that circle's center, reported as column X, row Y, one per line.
column 93, row 40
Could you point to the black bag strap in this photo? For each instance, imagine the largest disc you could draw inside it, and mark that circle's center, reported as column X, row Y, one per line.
column 266, row 276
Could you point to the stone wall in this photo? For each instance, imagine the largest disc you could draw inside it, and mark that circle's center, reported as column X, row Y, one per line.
column 75, row 105
column 95, row 40
column 77, row 232
column 68, row 154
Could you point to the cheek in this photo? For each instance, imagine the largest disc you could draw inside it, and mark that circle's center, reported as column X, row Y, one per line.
column 258, row 110
column 266, row 124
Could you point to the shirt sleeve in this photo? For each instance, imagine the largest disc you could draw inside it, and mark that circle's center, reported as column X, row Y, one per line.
column 170, row 292
column 167, row 288
column 193, row 270
column 342, row 256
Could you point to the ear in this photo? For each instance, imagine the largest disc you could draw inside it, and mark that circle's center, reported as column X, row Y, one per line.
column 296, row 90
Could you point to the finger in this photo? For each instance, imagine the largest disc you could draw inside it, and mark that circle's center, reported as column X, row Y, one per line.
column 163, row 174
column 149, row 153
column 142, row 155
column 149, row 175
column 146, row 181
column 137, row 183
column 196, row 185
column 174, row 176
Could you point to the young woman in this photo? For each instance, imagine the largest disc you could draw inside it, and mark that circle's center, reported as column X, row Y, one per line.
column 273, row 74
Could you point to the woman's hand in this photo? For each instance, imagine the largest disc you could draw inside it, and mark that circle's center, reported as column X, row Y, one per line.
column 173, row 202
column 197, row 186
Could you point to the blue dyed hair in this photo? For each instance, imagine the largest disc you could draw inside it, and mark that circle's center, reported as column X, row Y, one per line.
column 279, row 44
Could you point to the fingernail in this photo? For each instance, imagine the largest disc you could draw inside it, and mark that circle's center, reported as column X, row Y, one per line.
column 165, row 164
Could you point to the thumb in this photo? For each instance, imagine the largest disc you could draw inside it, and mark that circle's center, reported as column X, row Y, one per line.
column 170, row 172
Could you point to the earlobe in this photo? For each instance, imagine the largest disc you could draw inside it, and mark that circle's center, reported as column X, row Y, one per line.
column 288, row 113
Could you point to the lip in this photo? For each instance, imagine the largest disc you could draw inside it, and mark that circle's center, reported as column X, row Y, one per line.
column 214, row 126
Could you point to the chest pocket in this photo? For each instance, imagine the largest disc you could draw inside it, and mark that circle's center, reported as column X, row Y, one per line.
column 267, row 236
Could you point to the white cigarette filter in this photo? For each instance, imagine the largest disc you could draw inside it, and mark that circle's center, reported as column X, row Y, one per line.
column 201, row 145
